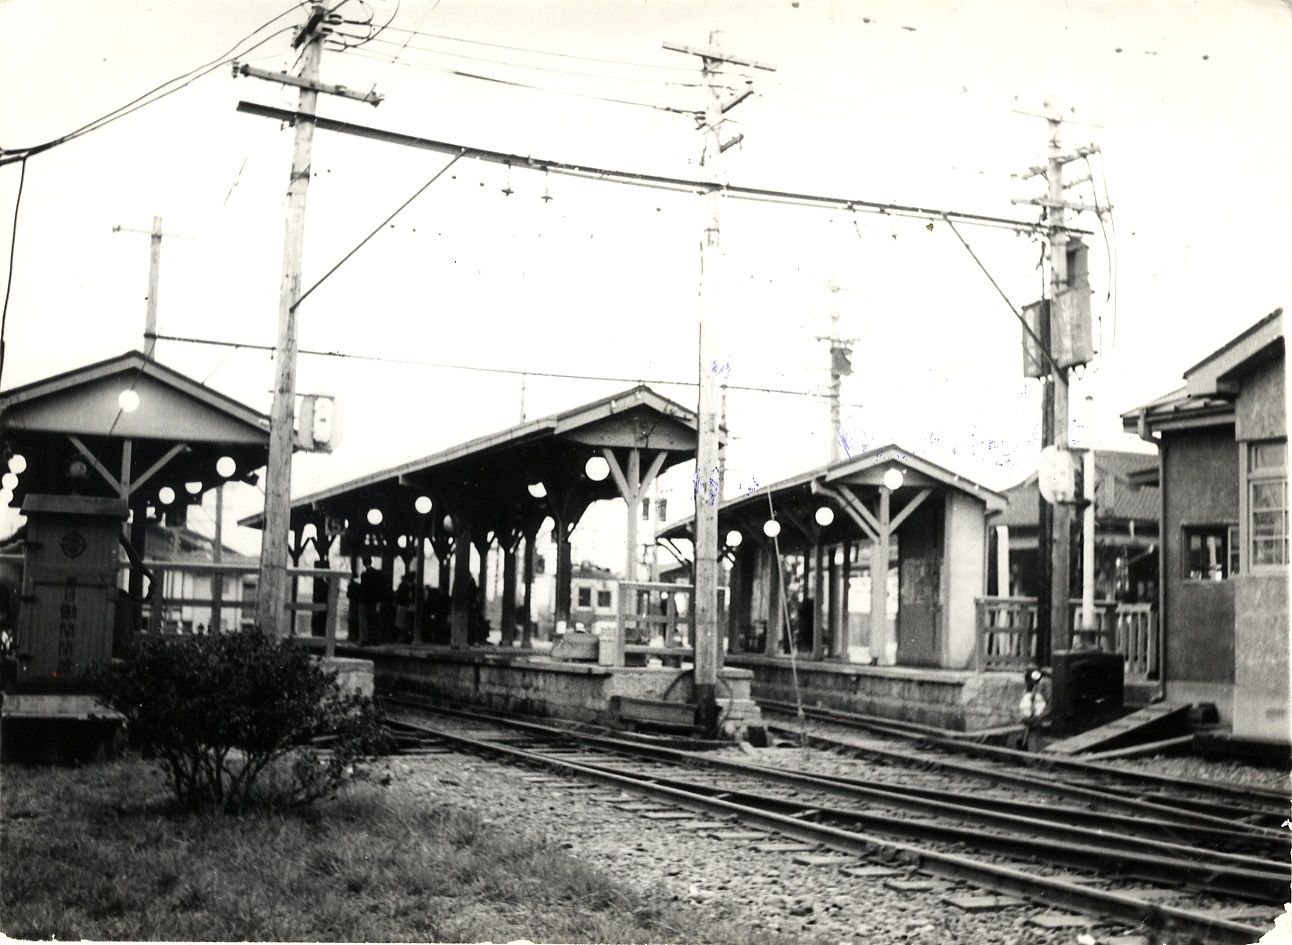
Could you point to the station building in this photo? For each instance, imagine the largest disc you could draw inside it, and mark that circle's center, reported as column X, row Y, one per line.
column 1222, row 472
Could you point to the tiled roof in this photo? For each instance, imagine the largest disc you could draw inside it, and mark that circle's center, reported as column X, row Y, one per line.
column 1138, row 503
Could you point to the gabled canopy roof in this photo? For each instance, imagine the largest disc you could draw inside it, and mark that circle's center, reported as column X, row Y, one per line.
column 177, row 433
column 489, row 476
column 172, row 405
column 796, row 497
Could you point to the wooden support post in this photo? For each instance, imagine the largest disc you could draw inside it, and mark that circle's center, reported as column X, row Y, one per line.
column 879, row 636
column 735, row 585
column 845, row 599
column 333, row 602
column 507, row 615
column 483, row 542
column 820, row 629
column 527, row 603
column 772, row 642
column 460, row 620
column 217, row 556
column 419, row 590
column 836, row 647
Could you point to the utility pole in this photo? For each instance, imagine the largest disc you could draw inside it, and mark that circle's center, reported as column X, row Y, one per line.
column 840, row 367
column 1064, row 325
column 708, row 655
column 1061, row 537
column 271, row 598
column 154, row 281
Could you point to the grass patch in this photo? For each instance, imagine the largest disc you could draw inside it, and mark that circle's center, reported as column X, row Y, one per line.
column 101, row 853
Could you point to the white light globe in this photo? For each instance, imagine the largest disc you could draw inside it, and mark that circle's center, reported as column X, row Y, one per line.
column 537, row 490
column 165, row 495
column 18, row 464
column 9, row 481
column 448, row 524
column 225, row 466
column 192, row 488
column 824, row 516
column 375, row 517
column 771, row 528
column 422, row 504
column 734, row 538
column 597, row 468
column 402, row 541
column 893, row 478
column 128, row 401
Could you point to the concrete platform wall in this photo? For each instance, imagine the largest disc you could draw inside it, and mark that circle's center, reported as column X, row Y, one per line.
column 961, row 701
column 539, row 686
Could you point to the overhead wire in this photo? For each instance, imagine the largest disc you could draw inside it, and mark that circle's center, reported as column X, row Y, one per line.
column 13, row 245
column 482, row 77
column 512, row 64
column 483, row 369
column 545, row 52
column 9, row 155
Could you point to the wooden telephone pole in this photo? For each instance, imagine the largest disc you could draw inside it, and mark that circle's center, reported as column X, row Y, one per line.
column 1064, row 332
column 154, row 281
column 708, row 654
column 840, row 367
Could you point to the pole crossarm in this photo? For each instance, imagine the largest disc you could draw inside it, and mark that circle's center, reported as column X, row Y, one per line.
column 286, row 78
column 713, row 55
column 657, row 181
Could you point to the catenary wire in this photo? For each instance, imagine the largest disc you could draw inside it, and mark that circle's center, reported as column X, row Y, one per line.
column 512, row 64
column 13, row 245
column 482, row 77
column 482, row 369
column 544, row 52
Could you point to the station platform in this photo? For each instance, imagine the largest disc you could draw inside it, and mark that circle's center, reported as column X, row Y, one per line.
column 532, row 683
column 960, row 700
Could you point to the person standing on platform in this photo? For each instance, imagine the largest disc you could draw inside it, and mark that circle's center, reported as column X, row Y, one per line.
column 404, row 595
column 368, row 600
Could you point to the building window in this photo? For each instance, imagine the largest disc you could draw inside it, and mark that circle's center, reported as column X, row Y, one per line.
column 603, row 600
column 1267, row 503
column 645, row 510
column 1207, row 552
column 662, row 510
column 585, row 597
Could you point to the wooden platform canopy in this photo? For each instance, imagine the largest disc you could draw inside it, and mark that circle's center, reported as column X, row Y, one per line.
column 500, row 488
column 128, row 428
column 861, row 505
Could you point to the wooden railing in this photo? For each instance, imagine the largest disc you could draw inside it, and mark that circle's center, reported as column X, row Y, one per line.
column 163, row 612
column 1006, row 637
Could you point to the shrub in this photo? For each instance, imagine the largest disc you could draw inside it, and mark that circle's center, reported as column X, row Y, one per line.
column 219, row 711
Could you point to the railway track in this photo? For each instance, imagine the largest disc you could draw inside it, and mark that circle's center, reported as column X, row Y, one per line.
column 1166, row 874
column 1223, row 805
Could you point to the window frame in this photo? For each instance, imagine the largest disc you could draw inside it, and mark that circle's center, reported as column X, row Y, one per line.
column 1255, row 477
column 1229, row 530
column 578, row 597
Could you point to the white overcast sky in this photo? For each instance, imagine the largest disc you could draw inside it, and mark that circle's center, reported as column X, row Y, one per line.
column 914, row 101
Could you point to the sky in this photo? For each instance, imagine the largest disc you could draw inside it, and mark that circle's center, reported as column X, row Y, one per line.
column 927, row 102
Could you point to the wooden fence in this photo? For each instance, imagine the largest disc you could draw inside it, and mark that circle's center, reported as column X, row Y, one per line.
column 1006, row 634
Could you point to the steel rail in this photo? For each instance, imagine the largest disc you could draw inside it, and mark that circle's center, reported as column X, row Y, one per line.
column 1205, row 785
column 1033, row 782
column 1163, row 860
column 1100, row 903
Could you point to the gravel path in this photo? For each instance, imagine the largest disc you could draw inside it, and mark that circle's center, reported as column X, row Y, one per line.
column 729, row 880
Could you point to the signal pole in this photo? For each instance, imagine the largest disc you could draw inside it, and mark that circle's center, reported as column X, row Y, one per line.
column 271, row 597
column 840, row 367
column 708, row 656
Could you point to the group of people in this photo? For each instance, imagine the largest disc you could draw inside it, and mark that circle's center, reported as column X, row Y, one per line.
column 379, row 614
